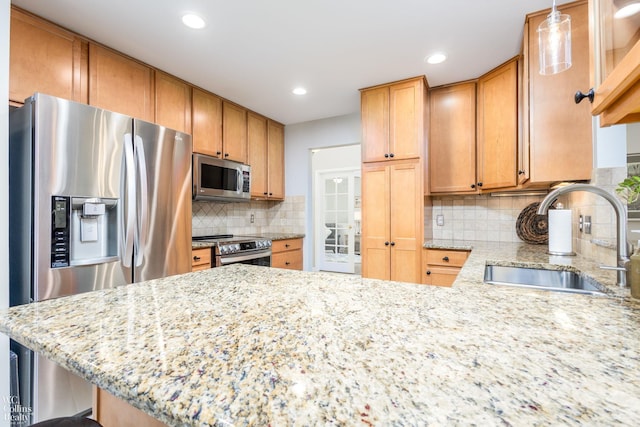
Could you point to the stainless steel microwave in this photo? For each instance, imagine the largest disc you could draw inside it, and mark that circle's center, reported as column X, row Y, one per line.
column 220, row 180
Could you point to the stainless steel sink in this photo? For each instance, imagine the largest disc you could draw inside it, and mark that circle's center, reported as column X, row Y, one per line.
column 534, row 278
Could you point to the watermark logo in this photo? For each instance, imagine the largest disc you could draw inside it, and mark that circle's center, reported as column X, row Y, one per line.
column 14, row 412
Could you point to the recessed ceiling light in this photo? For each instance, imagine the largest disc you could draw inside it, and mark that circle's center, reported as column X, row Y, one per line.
column 300, row 91
column 627, row 10
column 193, row 21
column 436, row 58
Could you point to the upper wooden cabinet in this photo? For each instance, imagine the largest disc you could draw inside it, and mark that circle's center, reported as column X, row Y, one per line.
column 266, row 157
column 616, row 64
column 173, row 103
column 258, row 155
column 497, row 128
column 452, row 138
column 393, row 120
column 234, row 132
column 559, row 131
column 120, row 84
column 275, row 157
column 207, row 123
column 45, row 58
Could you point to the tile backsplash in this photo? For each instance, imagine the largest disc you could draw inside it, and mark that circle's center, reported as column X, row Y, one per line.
column 490, row 218
column 235, row 218
column 484, row 218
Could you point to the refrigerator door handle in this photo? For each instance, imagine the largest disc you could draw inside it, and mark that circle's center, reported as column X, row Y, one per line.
column 130, row 191
column 143, row 214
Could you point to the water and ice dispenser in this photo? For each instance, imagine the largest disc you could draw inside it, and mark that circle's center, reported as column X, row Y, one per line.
column 84, row 231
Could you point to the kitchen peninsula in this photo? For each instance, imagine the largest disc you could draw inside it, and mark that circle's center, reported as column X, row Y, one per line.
column 246, row 345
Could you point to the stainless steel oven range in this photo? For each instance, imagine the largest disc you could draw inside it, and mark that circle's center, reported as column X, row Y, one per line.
column 230, row 249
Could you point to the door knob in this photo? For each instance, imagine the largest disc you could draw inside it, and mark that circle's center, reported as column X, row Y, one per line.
column 579, row 96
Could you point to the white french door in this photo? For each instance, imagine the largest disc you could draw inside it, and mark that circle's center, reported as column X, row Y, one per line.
column 337, row 201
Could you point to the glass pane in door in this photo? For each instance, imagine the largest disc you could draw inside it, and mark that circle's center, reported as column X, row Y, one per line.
column 337, row 213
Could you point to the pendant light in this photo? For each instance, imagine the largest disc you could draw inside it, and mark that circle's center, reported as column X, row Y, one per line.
column 626, row 8
column 554, row 38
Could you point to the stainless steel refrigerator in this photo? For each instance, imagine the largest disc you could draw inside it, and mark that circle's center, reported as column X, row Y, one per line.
column 97, row 200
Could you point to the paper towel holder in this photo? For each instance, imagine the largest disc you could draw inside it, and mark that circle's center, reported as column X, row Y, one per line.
column 558, row 206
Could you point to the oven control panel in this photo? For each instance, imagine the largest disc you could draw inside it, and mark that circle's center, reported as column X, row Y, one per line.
column 233, row 248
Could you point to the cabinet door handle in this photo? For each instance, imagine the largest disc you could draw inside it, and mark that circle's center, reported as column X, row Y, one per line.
column 391, row 155
column 428, row 272
column 265, row 193
column 521, row 172
column 446, row 259
column 287, row 263
column 393, row 243
column 286, row 245
column 480, row 184
column 386, row 243
column 473, row 186
column 218, row 153
column 271, row 194
column 226, row 154
column 579, row 96
column 196, row 258
column 386, row 155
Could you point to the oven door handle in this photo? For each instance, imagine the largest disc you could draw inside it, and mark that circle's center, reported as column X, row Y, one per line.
column 243, row 257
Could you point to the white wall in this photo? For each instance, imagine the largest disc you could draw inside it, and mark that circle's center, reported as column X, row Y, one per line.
column 4, row 195
column 610, row 145
column 300, row 139
column 633, row 138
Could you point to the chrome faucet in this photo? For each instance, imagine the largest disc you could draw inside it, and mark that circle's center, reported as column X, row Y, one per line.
column 621, row 218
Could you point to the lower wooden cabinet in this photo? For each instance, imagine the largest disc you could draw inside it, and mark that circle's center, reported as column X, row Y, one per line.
column 441, row 266
column 110, row 411
column 201, row 259
column 392, row 220
column 287, row 254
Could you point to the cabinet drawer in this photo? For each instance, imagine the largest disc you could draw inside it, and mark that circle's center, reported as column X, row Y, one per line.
column 289, row 259
column 201, row 259
column 440, row 276
column 286, row 245
column 446, row 257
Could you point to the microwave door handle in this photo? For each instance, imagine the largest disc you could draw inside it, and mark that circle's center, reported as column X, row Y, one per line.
column 128, row 188
column 239, row 181
column 143, row 214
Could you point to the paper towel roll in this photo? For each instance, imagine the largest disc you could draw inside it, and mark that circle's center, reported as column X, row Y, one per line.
column 560, row 237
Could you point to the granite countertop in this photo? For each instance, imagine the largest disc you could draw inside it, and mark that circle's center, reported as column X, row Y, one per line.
column 247, row 345
column 273, row 236
column 523, row 255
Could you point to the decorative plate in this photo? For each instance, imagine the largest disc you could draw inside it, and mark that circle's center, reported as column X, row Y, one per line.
column 531, row 227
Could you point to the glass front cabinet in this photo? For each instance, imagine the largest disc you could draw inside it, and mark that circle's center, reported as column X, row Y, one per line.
column 615, row 46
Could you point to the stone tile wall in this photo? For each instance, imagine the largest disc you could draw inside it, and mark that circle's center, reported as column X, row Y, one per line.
column 235, row 218
column 484, row 218
column 490, row 218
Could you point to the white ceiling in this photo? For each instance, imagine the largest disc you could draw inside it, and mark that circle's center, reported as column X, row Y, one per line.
column 254, row 52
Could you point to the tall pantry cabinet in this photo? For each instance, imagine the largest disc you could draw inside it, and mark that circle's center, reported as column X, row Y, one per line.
column 393, row 136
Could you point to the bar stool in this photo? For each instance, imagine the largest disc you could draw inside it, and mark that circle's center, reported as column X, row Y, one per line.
column 68, row 422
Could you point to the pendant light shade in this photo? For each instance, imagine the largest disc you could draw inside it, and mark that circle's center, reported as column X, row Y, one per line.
column 554, row 41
